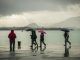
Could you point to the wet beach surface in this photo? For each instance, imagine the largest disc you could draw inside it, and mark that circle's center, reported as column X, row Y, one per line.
column 54, row 51
column 29, row 55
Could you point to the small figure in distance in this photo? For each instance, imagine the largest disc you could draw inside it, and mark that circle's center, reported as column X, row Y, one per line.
column 12, row 37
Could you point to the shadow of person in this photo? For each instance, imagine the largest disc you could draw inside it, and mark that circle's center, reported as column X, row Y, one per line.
column 42, row 49
column 66, row 53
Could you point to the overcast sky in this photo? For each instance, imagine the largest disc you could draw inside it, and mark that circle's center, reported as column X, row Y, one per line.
column 24, row 12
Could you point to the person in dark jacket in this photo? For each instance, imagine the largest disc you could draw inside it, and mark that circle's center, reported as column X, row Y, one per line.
column 33, row 38
column 12, row 37
column 66, row 36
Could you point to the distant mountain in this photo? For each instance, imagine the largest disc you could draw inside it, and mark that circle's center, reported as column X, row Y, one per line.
column 33, row 25
column 69, row 23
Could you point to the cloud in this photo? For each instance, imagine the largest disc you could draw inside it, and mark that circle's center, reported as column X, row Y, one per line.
column 9, row 7
column 13, row 20
column 42, row 18
column 74, row 9
column 42, row 12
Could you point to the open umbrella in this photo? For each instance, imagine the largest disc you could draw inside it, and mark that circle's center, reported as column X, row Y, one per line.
column 41, row 31
column 67, row 30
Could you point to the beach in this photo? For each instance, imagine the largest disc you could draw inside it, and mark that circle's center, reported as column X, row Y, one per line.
column 55, row 48
column 39, row 29
column 28, row 55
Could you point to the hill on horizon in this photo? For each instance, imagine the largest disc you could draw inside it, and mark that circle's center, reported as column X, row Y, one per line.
column 33, row 25
column 73, row 22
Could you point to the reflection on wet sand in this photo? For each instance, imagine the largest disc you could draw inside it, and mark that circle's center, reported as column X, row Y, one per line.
column 42, row 49
column 12, row 56
column 66, row 53
column 34, row 49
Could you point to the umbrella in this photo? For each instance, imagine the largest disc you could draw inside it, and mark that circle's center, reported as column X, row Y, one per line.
column 41, row 31
column 66, row 30
column 29, row 29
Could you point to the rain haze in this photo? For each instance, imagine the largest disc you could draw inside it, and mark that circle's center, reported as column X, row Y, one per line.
column 40, row 13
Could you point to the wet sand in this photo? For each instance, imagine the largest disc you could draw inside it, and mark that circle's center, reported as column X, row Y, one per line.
column 28, row 55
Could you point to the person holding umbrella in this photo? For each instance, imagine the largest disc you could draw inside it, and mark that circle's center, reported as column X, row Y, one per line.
column 33, row 38
column 42, row 37
column 66, row 36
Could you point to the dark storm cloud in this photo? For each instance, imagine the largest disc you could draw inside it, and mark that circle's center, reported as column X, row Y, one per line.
column 17, row 6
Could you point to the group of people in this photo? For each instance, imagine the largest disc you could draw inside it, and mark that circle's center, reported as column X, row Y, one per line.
column 34, row 37
column 12, row 37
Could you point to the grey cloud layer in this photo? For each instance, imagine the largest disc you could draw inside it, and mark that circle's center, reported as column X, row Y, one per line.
column 17, row 6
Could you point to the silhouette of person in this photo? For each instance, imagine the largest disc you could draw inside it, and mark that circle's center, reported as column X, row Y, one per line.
column 66, row 36
column 12, row 37
column 42, row 39
column 33, row 38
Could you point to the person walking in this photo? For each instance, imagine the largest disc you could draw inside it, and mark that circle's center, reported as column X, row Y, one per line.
column 12, row 37
column 66, row 36
column 42, row 32
column 42, row 39
column 33, row 38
